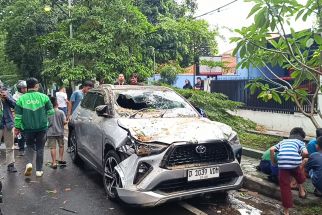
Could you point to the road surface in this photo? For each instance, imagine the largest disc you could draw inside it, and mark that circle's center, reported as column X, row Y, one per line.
column 79, row 190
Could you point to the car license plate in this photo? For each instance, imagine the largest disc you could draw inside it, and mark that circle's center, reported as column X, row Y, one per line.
column 203, row 173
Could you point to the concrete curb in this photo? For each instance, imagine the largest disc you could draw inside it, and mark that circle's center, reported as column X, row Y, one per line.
column 271, row 190
column 253, row 153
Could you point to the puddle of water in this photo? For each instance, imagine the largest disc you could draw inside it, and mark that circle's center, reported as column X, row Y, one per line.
column 236, row 203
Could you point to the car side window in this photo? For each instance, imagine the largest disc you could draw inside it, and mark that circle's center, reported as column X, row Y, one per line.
column 89, row 101
column 99, row 100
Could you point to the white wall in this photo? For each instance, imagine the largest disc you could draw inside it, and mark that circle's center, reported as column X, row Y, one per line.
column 279, row 121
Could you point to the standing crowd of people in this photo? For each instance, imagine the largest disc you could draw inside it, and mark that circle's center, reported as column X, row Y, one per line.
column 31, row 119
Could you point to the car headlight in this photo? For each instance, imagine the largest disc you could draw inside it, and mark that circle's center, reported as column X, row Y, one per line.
column 147, row 149
column 233, row 139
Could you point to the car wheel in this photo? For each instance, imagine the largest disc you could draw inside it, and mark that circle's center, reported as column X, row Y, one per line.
column 73, row 149
column 111, row 177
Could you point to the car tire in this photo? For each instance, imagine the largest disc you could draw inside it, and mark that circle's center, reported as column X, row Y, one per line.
column 111, row 177
column 73, row 149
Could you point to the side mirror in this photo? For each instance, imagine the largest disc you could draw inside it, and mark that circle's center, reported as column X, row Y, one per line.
column 102, row 110
column 202, row 112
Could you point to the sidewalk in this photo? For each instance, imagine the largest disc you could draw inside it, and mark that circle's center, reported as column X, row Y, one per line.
column 257, row 181
column 277, row 134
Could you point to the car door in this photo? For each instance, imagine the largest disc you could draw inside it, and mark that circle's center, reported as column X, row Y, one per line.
column 82, row 121
column 94, row 146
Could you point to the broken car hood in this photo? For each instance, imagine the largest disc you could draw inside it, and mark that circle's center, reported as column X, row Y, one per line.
column 169, row 130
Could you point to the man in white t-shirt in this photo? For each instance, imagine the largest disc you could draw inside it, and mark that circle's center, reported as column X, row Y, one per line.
column 62, row 100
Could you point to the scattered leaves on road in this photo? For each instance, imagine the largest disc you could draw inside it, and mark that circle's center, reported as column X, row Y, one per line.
column 51, row 191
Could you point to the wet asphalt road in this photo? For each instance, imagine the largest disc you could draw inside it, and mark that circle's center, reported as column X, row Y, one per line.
column 80, row 190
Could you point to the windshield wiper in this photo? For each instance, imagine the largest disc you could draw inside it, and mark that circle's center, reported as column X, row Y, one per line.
column 143, row 109
column 164, row 112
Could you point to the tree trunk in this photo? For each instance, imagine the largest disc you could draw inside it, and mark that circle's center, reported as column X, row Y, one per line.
column 315, row 123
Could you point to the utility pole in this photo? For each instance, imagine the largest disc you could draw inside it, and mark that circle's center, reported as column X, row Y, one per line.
column 153, row 49
column 319, row 16
column 70, row 2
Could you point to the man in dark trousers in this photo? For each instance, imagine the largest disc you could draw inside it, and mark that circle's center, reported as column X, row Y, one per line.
column 7, row 104
column 75, row 100
column 32, row 112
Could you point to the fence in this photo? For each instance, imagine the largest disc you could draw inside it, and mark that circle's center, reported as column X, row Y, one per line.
column 236, row 91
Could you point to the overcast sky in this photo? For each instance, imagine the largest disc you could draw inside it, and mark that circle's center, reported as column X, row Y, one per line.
column 232, row 17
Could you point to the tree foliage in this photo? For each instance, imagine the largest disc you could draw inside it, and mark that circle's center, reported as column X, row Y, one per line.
column 109, row 37
column 271, row 41
column 216, row 106
column 169, row 73
column 24, row 22
column 8, row 70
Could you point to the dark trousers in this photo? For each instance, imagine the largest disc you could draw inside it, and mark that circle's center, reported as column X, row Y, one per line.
column 64, row 109
column 285, row 176
column 265, row 166
column 21, row 142
column 36, row 142
column 70, row 129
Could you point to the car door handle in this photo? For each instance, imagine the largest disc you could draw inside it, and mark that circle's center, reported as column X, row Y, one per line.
column 81, row 118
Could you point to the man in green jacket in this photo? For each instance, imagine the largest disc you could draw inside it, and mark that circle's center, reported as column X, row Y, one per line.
column 32, row 112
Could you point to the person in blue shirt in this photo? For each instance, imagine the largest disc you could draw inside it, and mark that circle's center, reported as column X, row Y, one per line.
column 312, row 145
column 314, row 168
column 75, row 99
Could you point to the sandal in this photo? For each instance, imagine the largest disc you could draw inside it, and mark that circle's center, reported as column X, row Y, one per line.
column 54, row 166
column 62, row 163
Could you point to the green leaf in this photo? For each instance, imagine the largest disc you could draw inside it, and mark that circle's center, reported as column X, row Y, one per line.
column 304, row 18
column 239, row 44
column 309, row 42
column 318, row 39
column 253, row 89
column 276, row 97
column 262, row 94
column 295, row 74
column 286, row 97
column 254, row 9
column 242, row 51
column 299, row 14
column 274, row 43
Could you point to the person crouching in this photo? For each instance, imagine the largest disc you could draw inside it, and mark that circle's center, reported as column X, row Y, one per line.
column 314, row 168
column 290, row 153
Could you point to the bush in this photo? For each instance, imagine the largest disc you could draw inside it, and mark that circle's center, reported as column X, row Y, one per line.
column 216, row 105
column 168, row 74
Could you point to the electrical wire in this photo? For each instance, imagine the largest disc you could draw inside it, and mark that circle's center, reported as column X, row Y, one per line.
column 215, row 10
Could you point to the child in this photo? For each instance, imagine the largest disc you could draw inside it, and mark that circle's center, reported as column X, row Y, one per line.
column 312, row 145
column 266, row 166
column 55, row 134
column 289, row 161
column 314, row 168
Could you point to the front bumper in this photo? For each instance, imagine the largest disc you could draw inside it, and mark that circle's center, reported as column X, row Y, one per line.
column 152, row 198
column 149, row 192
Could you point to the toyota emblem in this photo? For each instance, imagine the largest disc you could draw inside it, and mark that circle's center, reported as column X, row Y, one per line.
column 201, row 149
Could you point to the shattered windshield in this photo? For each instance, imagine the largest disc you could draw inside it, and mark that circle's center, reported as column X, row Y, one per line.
column 151, row 103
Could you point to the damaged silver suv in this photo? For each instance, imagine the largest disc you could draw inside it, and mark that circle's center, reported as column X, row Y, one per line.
column 152, row 146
